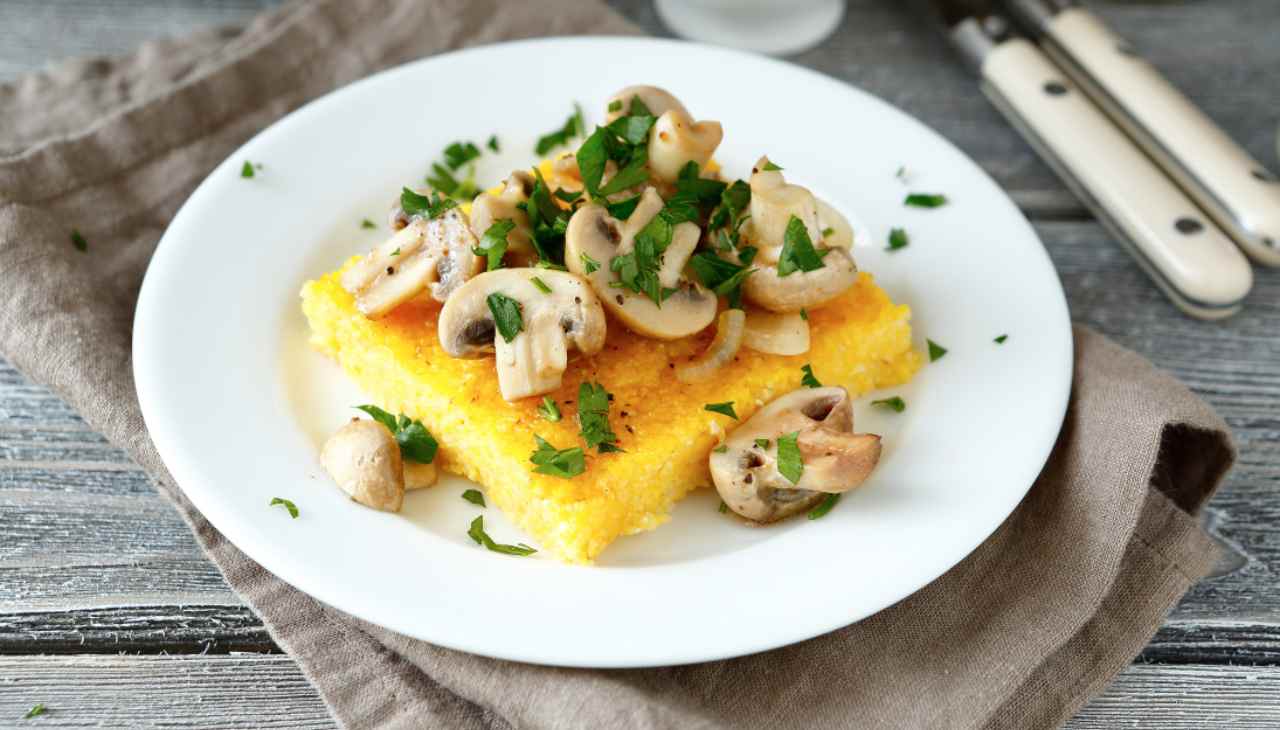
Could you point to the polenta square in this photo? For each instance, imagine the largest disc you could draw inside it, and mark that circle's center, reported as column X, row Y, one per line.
column 861, row 340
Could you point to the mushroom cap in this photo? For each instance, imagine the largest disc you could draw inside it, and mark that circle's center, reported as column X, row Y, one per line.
column 829, row 218
column 569, row 316
column 659, row 101
column 802, row 289
column 676, row 139
column 364, row 459
column 600, row 236
column 489, row 208
column 435, row 254
column 773, row 202
column 835, row 459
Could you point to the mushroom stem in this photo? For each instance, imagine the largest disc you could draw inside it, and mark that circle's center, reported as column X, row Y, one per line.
column 534, row 361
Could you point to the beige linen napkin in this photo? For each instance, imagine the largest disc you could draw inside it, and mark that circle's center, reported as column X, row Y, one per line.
column 1018, row 635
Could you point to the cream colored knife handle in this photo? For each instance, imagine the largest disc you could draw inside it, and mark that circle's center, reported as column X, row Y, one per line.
column 1187, row 256
column 1240, row 194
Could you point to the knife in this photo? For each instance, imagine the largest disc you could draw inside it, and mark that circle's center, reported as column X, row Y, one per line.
column 1232, row 187
column 1186, row 255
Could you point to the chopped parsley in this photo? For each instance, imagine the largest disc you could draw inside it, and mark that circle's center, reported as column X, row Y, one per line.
column 1000, row 340
column 287, row 504
column 474, row 497
column 895, row 404
column 589, row 264
column 563, row 463
column 723, row 507
column 460, row 153
column 476, row 532
column 824, row 506
column 506, row 315
column 897, row 239
column 247, row 169
column 724, row 409
column 416, row 442
column 828, row 231
column 804, row 314
column 790, row 465
column 593, row 418
column 368, row 224
column 624, row 141
column 721, row 449
column 623, row 209
column 566, row 196
column 809, row 380
column 455, row 156
column 493, row 244
column 747, row 254
column 725, row 278
column 78, row 240
column 493, row 143
column 548, row 409
column 548, row 222
column 36, row 711
column 615, row 105
column 540, row 284
column 572, row 127
column 638, row 270
column 925, row 200
column 731, row 211
column 936, row 351
column 763, row 443
column 396, row 252
column 635, row 172
column 798, row 253
column 433, row 205
column 768, row 165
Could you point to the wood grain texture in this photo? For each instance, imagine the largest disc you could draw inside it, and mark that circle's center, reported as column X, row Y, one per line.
column 212, row 693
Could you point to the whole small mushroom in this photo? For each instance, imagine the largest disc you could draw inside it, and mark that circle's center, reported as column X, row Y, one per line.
column 534, row 360
column 364, row 459
column 835, row 459
column 676, row 140
column 489, row 208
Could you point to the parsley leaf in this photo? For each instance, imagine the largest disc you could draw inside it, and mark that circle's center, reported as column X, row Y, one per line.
column 563, row 463
column 895, row 404
column 790, row 465
column 460, row 153
column 623, row 209
column 288, row 505
column 724, row 409
column 768, row 165
column 589, row 264
column 633, row 129
column 824, row 506
column 615, row 105
column 763, row 443
column 747, row 254
column 36, row 711
column 548, row 222
column 78, row 241
column 246, row 170
column 734, row 201
column 897, row 239
column 493, row 143
column 474, row 497
column 635, row 172
column 493, row 244
column 548, row 409
column 723, row 507
column 571, row 128
column 476, row 532
column 566, row 196
column 723, row 277
column 809, row 380
column 443, row 181
column 368, row 224
column 540, row 284
column 798, row 253
column 936, row 351
column 416, row 442
column 433, row 205
column 925, row 200
column 1000, row 340
column 506, row 315
column 721, row 449
column 593, row 418
column 591, row 157
column 804, row 314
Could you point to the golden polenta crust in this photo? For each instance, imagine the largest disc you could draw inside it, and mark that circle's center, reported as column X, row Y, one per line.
column 861, row 341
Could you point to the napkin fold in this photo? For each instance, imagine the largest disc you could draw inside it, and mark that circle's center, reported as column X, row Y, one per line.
column 1020, row 634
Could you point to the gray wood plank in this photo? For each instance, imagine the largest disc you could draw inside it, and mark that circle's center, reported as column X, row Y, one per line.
column 269, row 691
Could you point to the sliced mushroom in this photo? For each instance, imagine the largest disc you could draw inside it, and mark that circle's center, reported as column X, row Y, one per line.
column 659, row 102
column 676, row 140
column 434, row 253
column 835, row 459
column 723, row 348
column 489, row 208
column 775, row 333
column 593, row 233
column 773, row 202
column 364, row 459
column 802, row 289
column 533, row 362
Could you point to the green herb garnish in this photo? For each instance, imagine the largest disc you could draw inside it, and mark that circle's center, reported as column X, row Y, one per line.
column 589, row 264
column 790, row 465
column 721, row 449
column 623, row 209
column 79, row 241
column 897, row 239
column 37, row 710
column 548, row 409
column 804, row 314
column 571, row 128
column 493, row 143
column 540, row 284
column 493, row 244
column 809, row 380
column 763, row 443
column 593, row 418
column 1000, row 340
column 416, row 442
column 246, row 170
column 288, row 505
column 615, row 105
column 635, row 172
column 563, row 463
column 723, row 507
column 396, row 252
column 824, row 506
column 566, row 196
column 368, row 224
column 474, row 497
column 828, row 231
column 798, row 253
column 936, row 351
column 895, row 404
column 925, row 200
column 460, row 153
column 442, row 180
column 724, row 409
column 476, row 532
column 433, row 205
column 725, row 278
column 506, row 315
column 548, row 222
column 768, row 165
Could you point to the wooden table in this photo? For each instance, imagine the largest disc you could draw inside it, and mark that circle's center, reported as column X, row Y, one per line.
column 110, row 615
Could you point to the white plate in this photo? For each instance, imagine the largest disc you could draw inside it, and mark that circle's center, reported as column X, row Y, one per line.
column 237, row 404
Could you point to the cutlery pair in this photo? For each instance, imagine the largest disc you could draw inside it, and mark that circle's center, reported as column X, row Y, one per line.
column 1171, row 186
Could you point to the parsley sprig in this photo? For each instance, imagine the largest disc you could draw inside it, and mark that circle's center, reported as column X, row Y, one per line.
column 425, row 206
column 790, row 465
column 476, row 532
column 593, row 418
column 573, row 127
column 563, row 463
column 416, row 442
column 493, row 244
column 506, row 315
column 798, row 253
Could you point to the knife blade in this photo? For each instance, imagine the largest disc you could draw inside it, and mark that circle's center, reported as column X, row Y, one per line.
column 1232, row 187
column 1188, row 257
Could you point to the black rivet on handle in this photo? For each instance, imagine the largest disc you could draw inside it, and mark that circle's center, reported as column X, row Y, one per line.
column 1053, row 88
column 1263, row 175
column 1188, row 226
